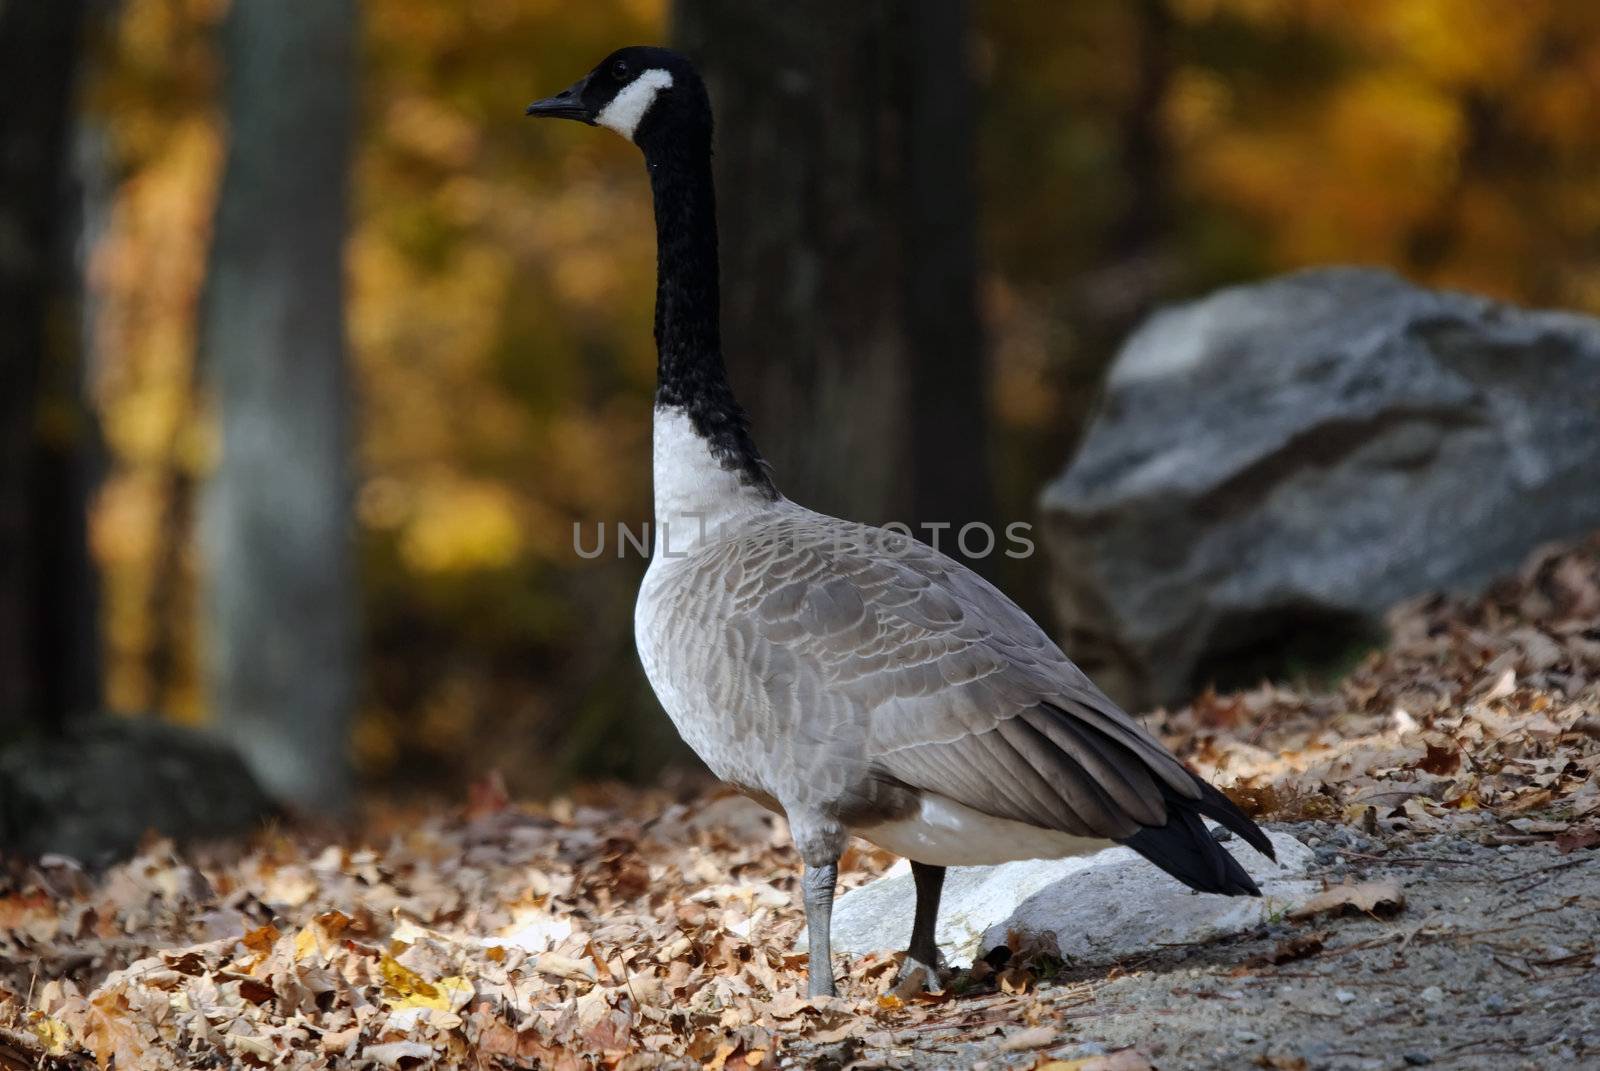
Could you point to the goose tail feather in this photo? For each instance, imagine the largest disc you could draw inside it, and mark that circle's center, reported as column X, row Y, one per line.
column 1185, row 849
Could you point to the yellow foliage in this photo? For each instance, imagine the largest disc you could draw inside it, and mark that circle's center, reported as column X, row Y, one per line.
column 54, row 1037
column 458, row 526
column 405, row 988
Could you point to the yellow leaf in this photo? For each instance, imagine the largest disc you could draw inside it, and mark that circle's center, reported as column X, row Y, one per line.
column 405, row 988
column 305, row 943
column 52, row 1034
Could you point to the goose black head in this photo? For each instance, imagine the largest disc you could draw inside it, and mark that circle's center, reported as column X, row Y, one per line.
column 642, row 93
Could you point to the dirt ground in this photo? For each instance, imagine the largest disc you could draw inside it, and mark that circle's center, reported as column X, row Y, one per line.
column 1494, row 962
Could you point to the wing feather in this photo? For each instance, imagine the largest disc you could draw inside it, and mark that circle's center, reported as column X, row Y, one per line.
column 937, row 681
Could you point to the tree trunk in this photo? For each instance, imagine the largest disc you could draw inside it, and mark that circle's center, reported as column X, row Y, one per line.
column 277, row 526
column 41, row 519
column 846, row 200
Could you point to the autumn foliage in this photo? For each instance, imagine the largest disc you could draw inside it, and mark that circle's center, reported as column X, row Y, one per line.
column 502, row 278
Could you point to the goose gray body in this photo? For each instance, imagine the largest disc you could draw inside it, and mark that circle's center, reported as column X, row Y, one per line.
column 865, row 683
column 853, row 678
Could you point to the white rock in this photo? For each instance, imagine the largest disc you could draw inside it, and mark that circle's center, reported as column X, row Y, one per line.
column 1091, row 908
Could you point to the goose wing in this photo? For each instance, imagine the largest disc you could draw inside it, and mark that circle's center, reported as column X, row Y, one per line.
column 964, row 695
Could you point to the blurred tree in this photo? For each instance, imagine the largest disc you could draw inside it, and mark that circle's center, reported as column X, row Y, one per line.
column 47, row 648
column 847, row 207
column 277, row 526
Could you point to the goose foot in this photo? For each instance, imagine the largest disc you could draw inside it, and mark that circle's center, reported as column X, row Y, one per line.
column 918, row 975
column 923, row 968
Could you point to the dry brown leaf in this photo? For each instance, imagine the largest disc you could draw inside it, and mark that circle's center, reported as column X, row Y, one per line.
column 1439, row 759
column 1301, row 946
column 561, row 966
column 1380, row 899
column 339, row 1042
column 391, row 1053
column 260, row 1048
column 1283, row 1061
column 1034, row 1037
column 114, row 1034
column 1124, row 1060
column 1015, row 980
column 1575, row 838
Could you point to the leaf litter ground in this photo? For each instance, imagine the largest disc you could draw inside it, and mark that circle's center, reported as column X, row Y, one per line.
column 1453, row 772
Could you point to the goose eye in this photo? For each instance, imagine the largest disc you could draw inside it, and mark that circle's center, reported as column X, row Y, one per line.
column 619, row 70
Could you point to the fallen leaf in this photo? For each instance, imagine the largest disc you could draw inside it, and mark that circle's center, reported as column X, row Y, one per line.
column 54, row 1038
column 1016, row 980
column 339, row 1041
column 390, row 1053
column 260, row 1048
column 1125, row 1060
column 1439, row 760
column 1034, row 1037
column 1381, row 899
column 1576, row 838
column 566, row 967
column 1300, row 946
column 404, row 988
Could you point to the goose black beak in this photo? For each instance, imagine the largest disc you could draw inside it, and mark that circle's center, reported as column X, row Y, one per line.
column 567, row 104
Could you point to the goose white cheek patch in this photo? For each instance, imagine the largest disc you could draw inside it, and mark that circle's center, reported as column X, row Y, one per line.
column 628, row 107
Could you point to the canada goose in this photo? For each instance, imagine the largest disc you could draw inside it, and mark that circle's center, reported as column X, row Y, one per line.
column 857, row 680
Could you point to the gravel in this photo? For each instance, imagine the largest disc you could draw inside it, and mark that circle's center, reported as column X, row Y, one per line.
column 1490, row 965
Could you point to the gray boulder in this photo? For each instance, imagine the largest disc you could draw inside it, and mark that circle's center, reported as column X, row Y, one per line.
column 1089, row 909
column 93, row 792
column 1274, row 466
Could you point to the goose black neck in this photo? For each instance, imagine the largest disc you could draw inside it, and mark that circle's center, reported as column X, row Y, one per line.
column 689, row 371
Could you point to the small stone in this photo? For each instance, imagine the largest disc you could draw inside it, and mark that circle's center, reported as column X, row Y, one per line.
column 1433, row 994
column 1343, row 996
column 1494, row 1002
column 1417, row 1059
column 1246, row 1037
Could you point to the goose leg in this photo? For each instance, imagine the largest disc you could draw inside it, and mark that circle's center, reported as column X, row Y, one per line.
column 923, row 956
column 818, row 883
